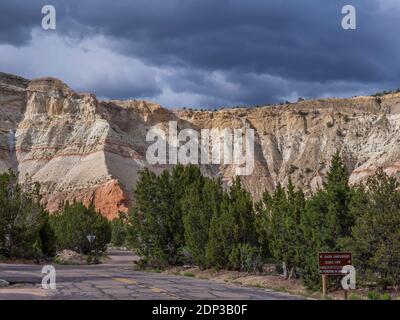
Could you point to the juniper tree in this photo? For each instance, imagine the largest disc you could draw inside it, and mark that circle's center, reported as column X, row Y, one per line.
column 156, row 218
column 233, row 225
column 285, row 237
column 200, row 203
column 75, row 222
column 326, row 219
column 24, row 227
column 119, row 227
column 375, row 238
column 150, row 229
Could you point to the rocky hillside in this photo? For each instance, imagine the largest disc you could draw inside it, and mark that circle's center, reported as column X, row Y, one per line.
column 78, row 147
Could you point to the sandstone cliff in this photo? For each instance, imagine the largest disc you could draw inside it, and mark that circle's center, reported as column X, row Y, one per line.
column 78, row 147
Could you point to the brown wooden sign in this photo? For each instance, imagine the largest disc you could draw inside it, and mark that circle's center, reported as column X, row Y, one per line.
column 331, row 263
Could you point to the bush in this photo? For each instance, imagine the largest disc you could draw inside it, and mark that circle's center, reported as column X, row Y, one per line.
column 375, row 237
column 279, row 220
column 156, row 220
column 189, row 274
column 354, row 296
column 92, row 259
column 24, row 228
column 119, row 230
column 201, row 201
column 326, row 218
column 386, row 296
column 383, row 93
column 182, row 215
column 373, row 295
column 75, row 223
column 234, row 224
column 245, row 258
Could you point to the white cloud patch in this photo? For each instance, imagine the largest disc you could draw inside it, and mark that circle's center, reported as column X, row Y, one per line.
column 85, row 65
column 89, row 65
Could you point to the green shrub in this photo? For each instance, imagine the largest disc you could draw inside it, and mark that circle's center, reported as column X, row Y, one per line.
column 200, row 202
column 279, row 225
column 24, row 228
column 234, row 224
column 75, row 223
column 326, row 219
column 373, row 295
column 156, row 220
column 119, row 232
column 245, row 258
column 386, row 296
column 189, row 274
column 374, row 240
column 354, row 296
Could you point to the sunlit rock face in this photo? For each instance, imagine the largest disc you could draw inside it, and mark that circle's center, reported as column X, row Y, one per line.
column 81, row 148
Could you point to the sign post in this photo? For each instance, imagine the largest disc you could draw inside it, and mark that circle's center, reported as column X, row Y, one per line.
column 331, row 264
column 91, row 238
column 324, row 282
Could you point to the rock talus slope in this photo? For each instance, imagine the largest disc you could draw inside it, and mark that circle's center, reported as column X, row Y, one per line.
column 81, row 148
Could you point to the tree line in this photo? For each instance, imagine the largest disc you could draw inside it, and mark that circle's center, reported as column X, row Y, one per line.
column 182, row 217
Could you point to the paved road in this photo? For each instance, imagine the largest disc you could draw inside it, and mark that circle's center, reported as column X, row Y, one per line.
column 117, row 280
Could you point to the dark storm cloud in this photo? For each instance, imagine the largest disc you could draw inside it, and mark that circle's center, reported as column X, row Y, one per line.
column 233, row 51
column 293, row 39
column 16, row 21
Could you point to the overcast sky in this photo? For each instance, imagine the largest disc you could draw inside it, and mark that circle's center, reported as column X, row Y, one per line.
column 206, row 53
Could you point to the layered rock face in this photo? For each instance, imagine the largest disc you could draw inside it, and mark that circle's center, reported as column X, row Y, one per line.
column 78, row 147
